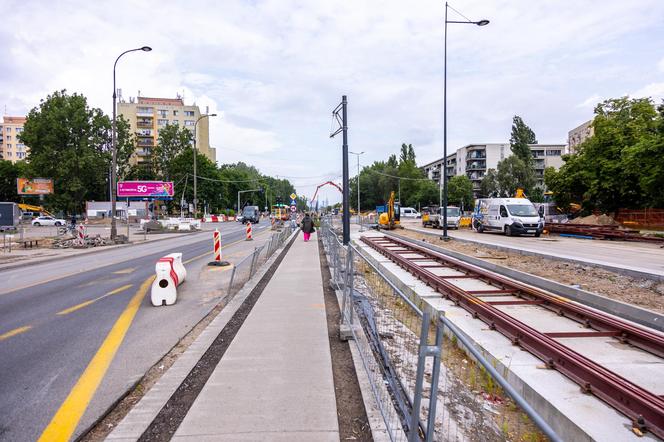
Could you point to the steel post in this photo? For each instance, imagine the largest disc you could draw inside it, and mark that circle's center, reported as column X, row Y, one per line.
column 346, row 190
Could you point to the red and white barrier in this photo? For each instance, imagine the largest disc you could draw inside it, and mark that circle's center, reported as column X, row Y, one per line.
column 170, row 274
column 80, row 235
column 217, row 246
column 248, row 230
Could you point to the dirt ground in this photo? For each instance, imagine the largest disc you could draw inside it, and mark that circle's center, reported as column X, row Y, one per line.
column 644, row 293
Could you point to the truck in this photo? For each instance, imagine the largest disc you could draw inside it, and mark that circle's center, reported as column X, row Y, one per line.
column 10, row 215
column 512, row 216
column 434, row 217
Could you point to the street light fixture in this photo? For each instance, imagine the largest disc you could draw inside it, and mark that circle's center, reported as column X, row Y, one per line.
column 482, row 22
column 359, row 218
column 195, row 155
column 114, row 153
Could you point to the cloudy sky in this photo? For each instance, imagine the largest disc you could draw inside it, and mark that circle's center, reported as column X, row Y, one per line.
column 273, row 70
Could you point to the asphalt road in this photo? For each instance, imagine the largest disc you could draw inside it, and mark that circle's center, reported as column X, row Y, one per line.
column 55, row 319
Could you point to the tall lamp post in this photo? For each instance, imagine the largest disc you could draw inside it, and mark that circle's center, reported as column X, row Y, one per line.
column 467, row 22
column 114, row 153
column 195, row 155
column 359, row 218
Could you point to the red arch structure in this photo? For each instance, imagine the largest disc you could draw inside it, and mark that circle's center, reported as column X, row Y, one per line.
column 327, row 183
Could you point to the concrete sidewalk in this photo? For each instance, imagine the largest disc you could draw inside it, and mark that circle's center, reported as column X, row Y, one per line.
column 275, row 380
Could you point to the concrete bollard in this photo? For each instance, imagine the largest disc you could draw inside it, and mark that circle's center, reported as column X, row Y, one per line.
column 170, row 274
column 249, row 238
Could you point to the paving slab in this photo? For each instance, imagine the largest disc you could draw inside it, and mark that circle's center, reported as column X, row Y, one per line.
column 275, row 380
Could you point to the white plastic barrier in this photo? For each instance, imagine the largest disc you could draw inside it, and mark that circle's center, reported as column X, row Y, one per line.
column 170, row 274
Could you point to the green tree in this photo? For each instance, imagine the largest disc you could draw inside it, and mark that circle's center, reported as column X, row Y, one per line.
column 522, row 135
column 514, row 173
column 614, row 168
column 70, row 143
column 460, row 191
column 489, row 185
column 9, row 172
column 172, row 141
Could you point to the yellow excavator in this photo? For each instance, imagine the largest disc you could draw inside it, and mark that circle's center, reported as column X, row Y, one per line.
column 390, row 218
column 31, row 208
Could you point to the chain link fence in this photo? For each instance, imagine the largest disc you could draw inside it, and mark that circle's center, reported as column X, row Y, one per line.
column 244, row 270
column 402, row 343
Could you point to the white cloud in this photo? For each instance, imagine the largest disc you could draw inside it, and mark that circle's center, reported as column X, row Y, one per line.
column 652, row 90
column 274, row 69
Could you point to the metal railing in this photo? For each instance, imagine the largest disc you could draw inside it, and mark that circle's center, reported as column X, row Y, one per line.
column 402, row 344
column 244, row 270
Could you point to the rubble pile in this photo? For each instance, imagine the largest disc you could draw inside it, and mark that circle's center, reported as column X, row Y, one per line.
column 90, row 241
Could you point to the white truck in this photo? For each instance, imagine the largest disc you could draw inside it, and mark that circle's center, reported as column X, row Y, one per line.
column 435, row 218
column 512, row 216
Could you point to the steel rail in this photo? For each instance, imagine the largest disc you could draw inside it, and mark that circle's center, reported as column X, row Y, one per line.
column 627, row 332
column 644, row 408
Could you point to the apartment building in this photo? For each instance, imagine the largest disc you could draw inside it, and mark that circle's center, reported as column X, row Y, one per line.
column 579, row 134
column 474, row 160
column 147, row 116
column 11, row 149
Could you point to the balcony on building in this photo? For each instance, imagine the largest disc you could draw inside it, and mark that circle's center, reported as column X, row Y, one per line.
column 145, row 142
column 476, row 154
column 539, row 164
column 475, row 176
column 476, row 165
column 144, row 133
column 145, row 111
column 144, row 123
column 538, row 153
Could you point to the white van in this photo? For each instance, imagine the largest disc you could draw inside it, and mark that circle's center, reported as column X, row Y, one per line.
column 512, row 216
column 409, row 212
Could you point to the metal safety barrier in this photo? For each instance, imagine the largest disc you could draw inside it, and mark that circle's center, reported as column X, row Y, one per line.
column 402, row 344
column 244, row 270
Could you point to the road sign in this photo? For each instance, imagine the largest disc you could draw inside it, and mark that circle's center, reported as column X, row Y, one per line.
column 293, row 203
column 293, row 208
column 293, row 196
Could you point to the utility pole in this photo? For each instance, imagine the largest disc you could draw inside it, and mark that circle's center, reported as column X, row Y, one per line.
column 343, row 127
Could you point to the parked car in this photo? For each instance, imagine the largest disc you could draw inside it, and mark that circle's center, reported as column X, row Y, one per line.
column 251, row 214
column 48, row 221
column 409, row 212
column 513, row 216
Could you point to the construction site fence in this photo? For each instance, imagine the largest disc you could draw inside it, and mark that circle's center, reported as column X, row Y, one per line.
column 641, row 217
column 429, row 382
column 244, row 270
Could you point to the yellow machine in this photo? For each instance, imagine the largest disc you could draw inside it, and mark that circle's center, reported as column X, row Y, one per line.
column 389, row 220
column 31, row 208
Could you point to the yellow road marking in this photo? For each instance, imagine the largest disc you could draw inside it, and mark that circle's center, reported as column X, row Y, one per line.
column 86, row 303
column 66, row 419
column 125, row 271
column 15, row 332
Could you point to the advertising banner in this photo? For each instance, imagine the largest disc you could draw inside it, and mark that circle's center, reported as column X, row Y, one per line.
column 34, row 186
column 145, row 189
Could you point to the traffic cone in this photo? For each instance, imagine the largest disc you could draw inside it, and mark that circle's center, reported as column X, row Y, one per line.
column 249, row 238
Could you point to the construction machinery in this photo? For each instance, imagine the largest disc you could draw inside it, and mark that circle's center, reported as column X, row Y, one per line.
column 389, row 214
column 31, row 208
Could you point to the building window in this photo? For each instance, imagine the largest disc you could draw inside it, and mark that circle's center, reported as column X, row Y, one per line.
column 554, row 153
column 188, row 113
column 19, row 130
column 163, row 113
column 175, row 113
column 9, row 154
column 174, row 123
column 8, row 138
column 188, row 122
column 162, row 122
column 9, row 146
column 8, row 130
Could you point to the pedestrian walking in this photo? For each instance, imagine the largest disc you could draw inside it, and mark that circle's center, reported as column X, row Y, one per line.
column 307, row 227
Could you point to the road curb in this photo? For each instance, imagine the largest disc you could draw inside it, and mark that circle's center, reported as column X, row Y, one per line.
column 90, row 252
column 634, row 273
column 139, row 418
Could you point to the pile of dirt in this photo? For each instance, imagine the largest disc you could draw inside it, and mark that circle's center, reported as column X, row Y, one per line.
column 596, row 220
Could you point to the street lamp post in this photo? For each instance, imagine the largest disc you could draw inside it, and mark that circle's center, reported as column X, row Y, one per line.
column 468, row 22
column 195, row 155
column 359, row 218
column 114, row 150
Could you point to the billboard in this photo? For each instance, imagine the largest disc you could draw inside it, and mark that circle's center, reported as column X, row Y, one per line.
column 145, row 189
column 34, row 186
